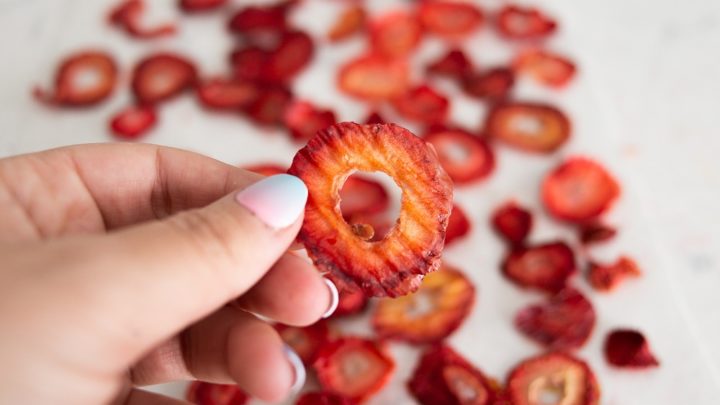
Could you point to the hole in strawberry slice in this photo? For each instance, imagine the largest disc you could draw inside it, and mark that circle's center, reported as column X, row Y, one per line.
column 248, row 62
column 374, row 78
column 351, row 21
column 226, row 94
column 305, row 341
column 608, row 277
column 423, row 104
column 354, row 368
column 515, row 22
column 162, row 76
column 204, row 393
column 465, row 157
column 553, row 378
column 395, row 34
column 82, row 79
column 595, row 233
column 292, row 55
column 450, row 19
column 363, row 194
column 266, row 169
column 512, row 222
column 629, row 349
column 458, row 225
column 133, row 122
column 454, row 64
column 128, row 15
column 323, row 398
column 564, row 322
column 530, row 127
column 579, row 190
column 200, row 6
column 304, row 120
column 547, row 68
column 270, row 106
column 431, row 314
column 545, row 267
column 375, row 118
column 493, row 84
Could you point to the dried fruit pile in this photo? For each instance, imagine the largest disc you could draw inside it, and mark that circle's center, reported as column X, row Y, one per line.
column 379, row 263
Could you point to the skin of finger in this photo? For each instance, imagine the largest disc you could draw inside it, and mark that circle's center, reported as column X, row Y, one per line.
column 140, row 397
column 292, row 292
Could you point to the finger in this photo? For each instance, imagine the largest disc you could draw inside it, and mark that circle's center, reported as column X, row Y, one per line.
column 293, row 292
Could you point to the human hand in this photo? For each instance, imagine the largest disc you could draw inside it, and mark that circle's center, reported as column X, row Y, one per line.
column 126, row 265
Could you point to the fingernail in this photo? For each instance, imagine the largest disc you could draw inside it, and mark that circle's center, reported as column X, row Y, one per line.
column 298, row 370
column 334, row 298
column 278, row 200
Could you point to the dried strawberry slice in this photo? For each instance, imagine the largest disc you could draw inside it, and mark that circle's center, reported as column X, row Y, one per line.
column 249, row 62
column 128, row 15
column 351, row 301
column 444, row 377
column 493, row 84
column 82, row 79
column 566, row 379
column 465, row 157
column 512, row 222
column 197, row 6
column 596, row 232
column 374, row 78
column 395, row 34
column 353, row 367
column 351, row 21
column 292, row 55
column 323, row 398
column 266, row 169
column 579, row 190
column 458, row 225
column 255, row 21
column 531, row 127
column 628, row 348
column 608, row 277
column 375, row 118
column 270, row 107
column 162, row 76
column 362, row 196
column 515, row 22
column 547, row 68
column 455, row 64
column 564, row 322
column 204, row 393
column 431, row 314
column 133, row 122
column 304, row 120
column 306, row 341
column 423, row 104
column 451, row 19
column 226, row 94
column 413, row 246
column 544, row 267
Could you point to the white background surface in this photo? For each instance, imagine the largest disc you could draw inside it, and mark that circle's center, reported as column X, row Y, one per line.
column 647, row 102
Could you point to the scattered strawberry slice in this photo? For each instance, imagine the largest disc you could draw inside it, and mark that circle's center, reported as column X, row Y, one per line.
column 362, row 196
column 531, row 127
column 454, row 64
column 375, row 118
column 204, row 393
column 323, row 398
column 395, row 34
column 304, row 120
column 305, row 341
column 579, row 190
column 512, row 222
column 423, row 104
column 354, row 368
column 465, row 157
column 249, row 62
column 544, row 267
column 374, row 78
column 269, row 108
column 198, row 6
column 608, row 277
column 628, row 348
column 128, row 15
column 351, row 301
column 596, row 232
column 548, row 68
column 351, row 21
column 226, row 94
column 516, row 22
column 82, row 79
column 266, row 169
column 493, row 84
column 458, row 225
column 258, row 21
column 133, row 122
column 450, row 19
column 162, row 76
column 564, row 322
column 292, row 55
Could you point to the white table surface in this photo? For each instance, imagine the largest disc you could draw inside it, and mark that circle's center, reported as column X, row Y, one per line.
column 652, row 64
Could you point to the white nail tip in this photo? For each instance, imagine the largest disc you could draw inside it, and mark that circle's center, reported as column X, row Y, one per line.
column 298, row 370
column 334, row 298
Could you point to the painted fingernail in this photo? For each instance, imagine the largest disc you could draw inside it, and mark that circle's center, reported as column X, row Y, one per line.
column 298, row 370
column 277, row 200
column 334, row 298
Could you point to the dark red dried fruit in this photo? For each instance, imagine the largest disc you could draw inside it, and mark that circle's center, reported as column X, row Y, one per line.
column 323, row 398
column 431, row 314
column 162, row 76
column 363, row 196
column 133, row 122
column 451, row 19
column 423, row 104
column 82, row 79
column 515, row 22
column 374, row 78
column 266, row 169
column 465, row 157
column 596, row 232
column 128, row 15
column 306, row 341
column 354, row 368
column 458, row 225
column 566, row 379
column 629, row 349
column 608, row 277
column 444, row 377
column 545, row 267
column 292, row 55
column 270, row 107
column 375, row 118
column 226, row 94
column 563, row 322
column 547, row 68
column 351, row 301
column 256, row 21
column 455, row 64
column 204, row 393
column 248, row 62
column 198, row 6
column 493, row 84
column 579, row 190
column 304, row 120
column 512, row 222
column 395, row 34
column 351, row 21
column 530, row 127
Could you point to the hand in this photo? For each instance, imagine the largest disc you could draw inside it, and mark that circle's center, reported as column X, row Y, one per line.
column 125, row 265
